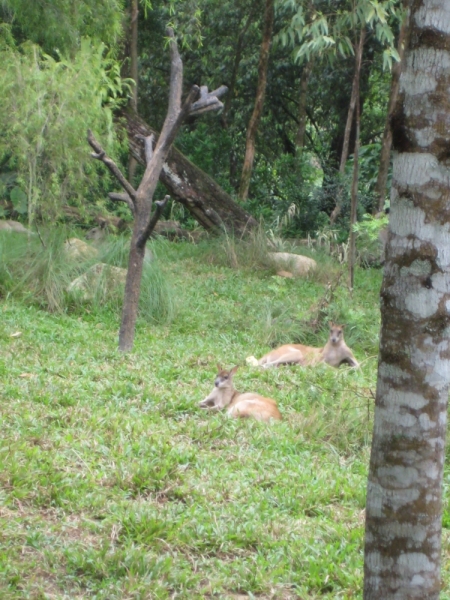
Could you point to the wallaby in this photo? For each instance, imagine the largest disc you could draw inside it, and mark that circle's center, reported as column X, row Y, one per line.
column 335, row 352
column 224, row 395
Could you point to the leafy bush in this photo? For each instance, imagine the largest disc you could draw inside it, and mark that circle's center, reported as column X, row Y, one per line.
column 47, row 105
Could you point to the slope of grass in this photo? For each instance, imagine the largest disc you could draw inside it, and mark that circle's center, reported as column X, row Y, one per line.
column 114, row 485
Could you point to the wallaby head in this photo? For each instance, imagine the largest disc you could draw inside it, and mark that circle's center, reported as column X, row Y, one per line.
column 224, row 378
column 222, row 393
column 336, row 333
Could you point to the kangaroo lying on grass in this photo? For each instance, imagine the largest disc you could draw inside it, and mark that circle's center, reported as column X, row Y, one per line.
column 335, row 352
column 224, row 395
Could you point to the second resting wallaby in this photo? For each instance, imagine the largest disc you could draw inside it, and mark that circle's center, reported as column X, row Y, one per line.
column 224, row 395
column 335, row 352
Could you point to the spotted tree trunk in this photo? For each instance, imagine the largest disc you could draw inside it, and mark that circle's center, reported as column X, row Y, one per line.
column 404, row 494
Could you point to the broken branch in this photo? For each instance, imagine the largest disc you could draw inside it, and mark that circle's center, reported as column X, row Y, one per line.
column 160, row 205
column 122, row 198
column 100, row 154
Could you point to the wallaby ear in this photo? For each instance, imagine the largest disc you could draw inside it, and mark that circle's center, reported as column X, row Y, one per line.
column 219, row 368
column 330, row 324
column 234, row 369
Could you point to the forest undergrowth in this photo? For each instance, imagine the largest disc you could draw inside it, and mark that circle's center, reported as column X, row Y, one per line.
column 115, row 485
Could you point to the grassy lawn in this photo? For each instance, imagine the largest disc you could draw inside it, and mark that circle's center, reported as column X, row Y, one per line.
column 115, row 485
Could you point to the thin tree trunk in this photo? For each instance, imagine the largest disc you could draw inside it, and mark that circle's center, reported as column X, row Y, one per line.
column 354, row 199
column 404, row 493
column 348, row 125
column 236, row 63
column 385, row 158
column 132, row 163
column 300, row 137
column 208, row 203
column 259, row 101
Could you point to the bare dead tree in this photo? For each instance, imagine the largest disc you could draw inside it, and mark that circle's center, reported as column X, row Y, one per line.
column 140, row 201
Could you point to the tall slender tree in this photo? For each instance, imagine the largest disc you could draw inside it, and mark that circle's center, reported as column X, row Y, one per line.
column 259, row 100
column 385, row 158
column 404, row 494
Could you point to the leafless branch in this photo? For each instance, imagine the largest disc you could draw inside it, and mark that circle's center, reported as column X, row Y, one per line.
column 160, row 204
column 100, row 154
column 148, row 144
column 123, row 198
column 208, row 101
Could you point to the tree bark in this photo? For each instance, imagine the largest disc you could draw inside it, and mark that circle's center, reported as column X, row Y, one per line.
column 385, row 158
column 213, row 208
column 259, row 101
column 348, row 126
column 300, row 137
column 134, row 13
column 354, row 198
column 404, row 494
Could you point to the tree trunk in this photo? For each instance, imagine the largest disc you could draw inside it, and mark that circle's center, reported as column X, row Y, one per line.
column 213, row 208
column 237, row 61
column 354, row 198
column 259, row 101
column 404, row 494
column 385, row 158
column 348, row 125
column 300, row 137
column 132, row 290
column 134, row 13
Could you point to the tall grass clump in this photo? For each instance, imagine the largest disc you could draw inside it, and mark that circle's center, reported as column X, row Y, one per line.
column 37, row 271
column 249, row 252
column 157, row 300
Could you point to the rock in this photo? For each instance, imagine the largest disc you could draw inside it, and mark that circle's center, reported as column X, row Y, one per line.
column 76, row 248
column 296, row 264
column 100, row 274
column 252, row 361
column 14, row 227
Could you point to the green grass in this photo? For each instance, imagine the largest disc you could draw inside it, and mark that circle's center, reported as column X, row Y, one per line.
column 115, row 485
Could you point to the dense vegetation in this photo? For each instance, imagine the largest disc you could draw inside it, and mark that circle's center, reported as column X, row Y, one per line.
column 61, row 70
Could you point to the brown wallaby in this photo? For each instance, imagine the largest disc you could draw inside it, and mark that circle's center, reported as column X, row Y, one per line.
column 335, row 352
column 224, row 395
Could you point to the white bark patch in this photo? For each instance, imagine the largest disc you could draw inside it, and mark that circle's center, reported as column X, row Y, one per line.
column 401, row 399
column 376, row 561
column 423, row 68
column 380, row 499
column 434, row 14
column 398, row 476
column 430, row 469
column 418, row 169
column 389, row 419
column 415, row 561
column 406, row 219
column 388, row 371
column 390, row 531
column 425, row 422
column 422, row 303
column 172, row 176
column 417, row 268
